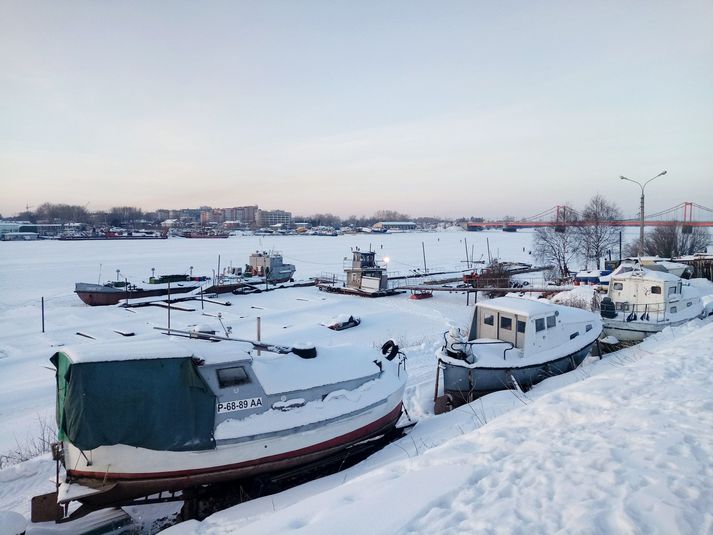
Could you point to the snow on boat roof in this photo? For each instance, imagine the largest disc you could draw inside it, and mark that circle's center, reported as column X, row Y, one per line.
column 647, row 274
column 532, row 308
column 289, row 373
column 519, row 305
column 157, row 348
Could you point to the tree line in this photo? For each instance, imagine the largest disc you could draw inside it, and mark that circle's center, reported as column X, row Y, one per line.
column 72, row 213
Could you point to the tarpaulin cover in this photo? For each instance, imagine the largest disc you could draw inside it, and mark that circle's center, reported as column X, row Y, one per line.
column 159, row 404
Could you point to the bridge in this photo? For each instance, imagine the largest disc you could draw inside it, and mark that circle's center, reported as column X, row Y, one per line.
column 687, row 214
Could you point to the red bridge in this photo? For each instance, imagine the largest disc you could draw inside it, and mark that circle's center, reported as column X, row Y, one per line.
column 687, row 214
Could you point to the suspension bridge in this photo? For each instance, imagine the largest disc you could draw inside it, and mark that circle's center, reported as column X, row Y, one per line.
column 686, row 214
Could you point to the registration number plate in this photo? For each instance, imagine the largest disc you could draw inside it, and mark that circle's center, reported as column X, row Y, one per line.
column 239, row 405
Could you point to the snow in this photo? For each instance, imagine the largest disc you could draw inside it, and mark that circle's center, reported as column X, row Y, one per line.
column 526, row 307
column 152, row 346
column 646, row 274
column 621, row 445
column 289, row 373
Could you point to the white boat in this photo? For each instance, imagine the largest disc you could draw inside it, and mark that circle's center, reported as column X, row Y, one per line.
column 140, row 418
column 514, row 342
column 641, row 302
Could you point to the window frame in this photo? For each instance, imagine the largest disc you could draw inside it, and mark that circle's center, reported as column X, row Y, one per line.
column 227, row 382
column 505, row 323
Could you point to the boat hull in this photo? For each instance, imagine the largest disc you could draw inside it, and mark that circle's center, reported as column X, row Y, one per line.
column 225, row 463
column 464, row 384
column 636, row 331
column 99, row 295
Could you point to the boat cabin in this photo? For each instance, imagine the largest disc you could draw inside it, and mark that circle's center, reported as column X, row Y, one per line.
column 644, row 289
column 527, row 324
column 365, row 274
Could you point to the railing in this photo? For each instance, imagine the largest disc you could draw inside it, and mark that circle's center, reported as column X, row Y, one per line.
column 654, row 312
column 462, row 347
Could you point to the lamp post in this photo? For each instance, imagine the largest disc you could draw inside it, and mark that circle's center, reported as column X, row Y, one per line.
column 641, row 210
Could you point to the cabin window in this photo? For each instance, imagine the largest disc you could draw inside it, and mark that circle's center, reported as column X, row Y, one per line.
column 521, row 326
column 232, row 377
column 574, row 335
column 672, row 290
column 540, row 324
column 618, row 286
column 688, row 304
column 656, row 289
column 589, row 327
column 674, row 310
column 551, row 321
column 506, row 323
column 489, row 320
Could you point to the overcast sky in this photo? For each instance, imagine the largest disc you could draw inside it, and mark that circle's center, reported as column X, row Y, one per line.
column 430, row 108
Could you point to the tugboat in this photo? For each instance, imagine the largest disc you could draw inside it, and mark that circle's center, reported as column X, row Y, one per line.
column 168, row 415
column 363, row 277
column 269, row 265
column 513, row 343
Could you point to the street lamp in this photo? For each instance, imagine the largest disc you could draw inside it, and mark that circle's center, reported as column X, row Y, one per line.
column 641, row 211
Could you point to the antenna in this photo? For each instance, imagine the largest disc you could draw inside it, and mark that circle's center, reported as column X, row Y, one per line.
column 226, row 330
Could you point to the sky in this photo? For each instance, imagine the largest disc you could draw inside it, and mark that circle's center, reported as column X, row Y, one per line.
column 429, row 108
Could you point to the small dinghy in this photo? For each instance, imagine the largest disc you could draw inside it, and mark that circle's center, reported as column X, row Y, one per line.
column 139, row 418
column 514, row 343
column 343, row 322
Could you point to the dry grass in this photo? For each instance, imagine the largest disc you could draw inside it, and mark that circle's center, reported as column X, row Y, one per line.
column 33, row 447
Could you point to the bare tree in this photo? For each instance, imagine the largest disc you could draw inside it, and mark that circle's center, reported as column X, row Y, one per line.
column 390, row 215
column 598, row 234
column 676, row 241
column 559, row 245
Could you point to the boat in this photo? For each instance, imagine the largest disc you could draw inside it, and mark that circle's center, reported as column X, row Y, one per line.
column 139, row 418
column 364, row 277
column 342, row 322
column 592, row 277
column 112, row 234
column 269, row 266
column 642, row 301
column 513, row 343
column 111, row 293
column 206, row 234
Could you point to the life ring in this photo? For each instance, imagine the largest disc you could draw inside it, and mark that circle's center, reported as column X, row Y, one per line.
column 390, row 349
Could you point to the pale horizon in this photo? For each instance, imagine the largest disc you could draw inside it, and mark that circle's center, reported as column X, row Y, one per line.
column 451, row 110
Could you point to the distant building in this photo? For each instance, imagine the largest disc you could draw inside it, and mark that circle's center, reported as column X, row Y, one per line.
column 267, row 218
column 246, row 214
column 17, row 230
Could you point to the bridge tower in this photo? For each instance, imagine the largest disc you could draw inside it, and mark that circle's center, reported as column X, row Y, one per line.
column 562, row 214
column 687, row 227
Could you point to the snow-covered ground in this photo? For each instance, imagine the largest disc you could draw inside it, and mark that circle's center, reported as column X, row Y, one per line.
column 620, row 445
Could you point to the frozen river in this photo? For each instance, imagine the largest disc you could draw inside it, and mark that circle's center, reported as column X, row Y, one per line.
column 31, row 270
